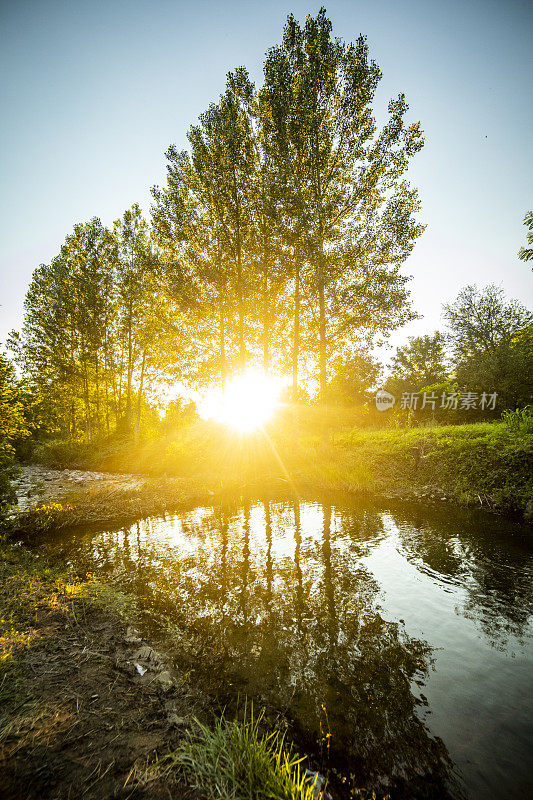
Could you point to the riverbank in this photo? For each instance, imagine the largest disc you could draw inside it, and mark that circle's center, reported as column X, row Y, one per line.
column 489, row 465
column 88, row 706
column 76, row 714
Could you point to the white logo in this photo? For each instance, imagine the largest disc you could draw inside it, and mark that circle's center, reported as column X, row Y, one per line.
column 384, row 400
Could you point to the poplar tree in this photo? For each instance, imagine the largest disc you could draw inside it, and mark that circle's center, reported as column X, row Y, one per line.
column 88, row 255
column 353, row 213
column 188, row 218
column 208, row 207
column 135, row 285
column 227, row 138
column 62, row 344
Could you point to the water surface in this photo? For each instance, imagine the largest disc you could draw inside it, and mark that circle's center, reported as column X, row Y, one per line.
column 397, row 642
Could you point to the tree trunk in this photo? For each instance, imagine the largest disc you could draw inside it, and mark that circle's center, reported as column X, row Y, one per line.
column 320, row 274
column 117, row 392
column 88, row 432
column 322, row 340
column 75, row 373
column 86, row 398
column 73, row 420
column 97, row 384
column 296, row 334
column 106, row 381
column 139, row 398
column 130, row 369
column 240, row 292
column 266, row 317
column 240, row 304
column 223, row 370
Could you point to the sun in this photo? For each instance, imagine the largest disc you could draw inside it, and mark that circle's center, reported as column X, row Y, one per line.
column 248, row 401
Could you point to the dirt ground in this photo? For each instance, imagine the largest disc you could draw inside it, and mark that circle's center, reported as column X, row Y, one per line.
column 81, row 721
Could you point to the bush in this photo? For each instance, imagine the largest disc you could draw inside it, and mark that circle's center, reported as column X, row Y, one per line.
column 12, row 427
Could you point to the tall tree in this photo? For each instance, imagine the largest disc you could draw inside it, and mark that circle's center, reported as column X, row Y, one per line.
column 63, row 337
column 480, row 320
column 353, row 380
column 224, row 145
column 283, row 143
column 188, row 245
column 46, row 350
column 209, row 205
column 88, row 253
column 355, row 209
column 419, row 363
column 135, row 284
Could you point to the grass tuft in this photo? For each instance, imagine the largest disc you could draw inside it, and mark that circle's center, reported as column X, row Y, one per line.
column 235, row 761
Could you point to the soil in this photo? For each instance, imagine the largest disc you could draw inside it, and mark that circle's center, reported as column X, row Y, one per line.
column 84, row 723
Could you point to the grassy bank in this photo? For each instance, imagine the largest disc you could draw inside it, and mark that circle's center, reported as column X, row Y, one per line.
column 483, row 464
column 486, row 464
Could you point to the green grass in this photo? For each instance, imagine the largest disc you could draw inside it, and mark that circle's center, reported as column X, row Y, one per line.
column 28, row 590
column 485, row 463
column 234, row 761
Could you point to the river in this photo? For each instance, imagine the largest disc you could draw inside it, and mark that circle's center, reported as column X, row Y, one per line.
column 397, row 642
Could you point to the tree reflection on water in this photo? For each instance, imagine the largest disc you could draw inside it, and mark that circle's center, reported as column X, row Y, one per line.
column 273, row 601
column 466, row 549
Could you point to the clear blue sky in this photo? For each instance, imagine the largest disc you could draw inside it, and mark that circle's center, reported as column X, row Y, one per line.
column 92, row 93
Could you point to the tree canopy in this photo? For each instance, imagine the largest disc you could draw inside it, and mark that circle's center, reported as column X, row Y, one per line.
column 420, row 363
column 526, row 253
column 491, row 341
column 276, row 242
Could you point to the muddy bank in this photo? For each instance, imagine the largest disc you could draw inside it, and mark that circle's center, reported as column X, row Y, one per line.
column 68, row 499
column 86, row 704
column 88, row 707
column 55, row 499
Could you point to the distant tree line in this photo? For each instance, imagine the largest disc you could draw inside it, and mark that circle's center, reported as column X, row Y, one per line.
column 487, row 348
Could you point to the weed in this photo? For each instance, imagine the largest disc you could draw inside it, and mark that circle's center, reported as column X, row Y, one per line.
column 521, row 418
column 235, row 761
